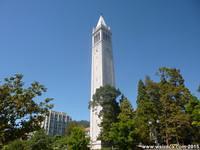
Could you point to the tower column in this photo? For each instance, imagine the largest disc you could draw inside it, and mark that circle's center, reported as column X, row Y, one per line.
column 102, row 73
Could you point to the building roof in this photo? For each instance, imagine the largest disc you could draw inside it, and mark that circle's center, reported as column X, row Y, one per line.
column 101, row 22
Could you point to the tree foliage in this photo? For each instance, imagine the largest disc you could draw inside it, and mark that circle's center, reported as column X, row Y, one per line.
column 173, row 98
column 20, row 110
column 40, row 141
column 117, row 125
column 75, row 136
column 166, row 113
column 72, row 124
column 60, row 143
column 16, row 145
column 123, row 133
column 106, row 98
column 161, row 113
column 148, row 108
column 193, row 108
column 77, row 140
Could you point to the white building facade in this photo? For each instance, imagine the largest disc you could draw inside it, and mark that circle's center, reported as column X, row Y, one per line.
column 56, row 122
column 102, row 73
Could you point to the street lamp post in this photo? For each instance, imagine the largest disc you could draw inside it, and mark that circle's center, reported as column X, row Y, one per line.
column 150, row 128
column 156, row 133
column 153, row 131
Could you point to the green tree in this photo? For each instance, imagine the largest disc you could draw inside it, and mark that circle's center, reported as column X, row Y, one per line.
column 77, row 139
column 106, row 97
column 173, row 97
column 16, row 145
column 20, row 110
column 40, row 141
column 72, row 124
column 123, row 133
column 161, row 113
column 74, row 138
column 60, row 143
column 141, row 115
column 193, row 109
column 147, row 110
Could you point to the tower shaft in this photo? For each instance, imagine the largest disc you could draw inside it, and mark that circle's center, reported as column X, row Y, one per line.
column 102, row 73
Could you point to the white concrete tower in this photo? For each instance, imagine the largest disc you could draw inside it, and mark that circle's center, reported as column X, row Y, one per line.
column 102, row 73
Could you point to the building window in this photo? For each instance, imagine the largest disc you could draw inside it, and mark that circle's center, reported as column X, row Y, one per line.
column 97, row 37
column 106, row 36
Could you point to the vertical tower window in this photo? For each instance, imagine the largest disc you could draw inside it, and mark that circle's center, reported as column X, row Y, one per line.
column 97, row 37
column 106, row 36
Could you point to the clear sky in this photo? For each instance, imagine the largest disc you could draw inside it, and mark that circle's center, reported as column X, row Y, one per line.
column 50, row 41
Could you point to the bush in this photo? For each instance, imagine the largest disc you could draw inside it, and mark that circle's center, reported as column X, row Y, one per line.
column 16, row 145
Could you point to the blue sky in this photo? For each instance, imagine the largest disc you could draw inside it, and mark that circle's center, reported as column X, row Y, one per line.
column 50, row 41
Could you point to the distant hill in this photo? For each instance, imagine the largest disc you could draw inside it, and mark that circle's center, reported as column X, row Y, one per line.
column 83, row 123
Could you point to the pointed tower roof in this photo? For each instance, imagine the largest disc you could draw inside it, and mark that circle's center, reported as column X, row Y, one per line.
column 101, row 22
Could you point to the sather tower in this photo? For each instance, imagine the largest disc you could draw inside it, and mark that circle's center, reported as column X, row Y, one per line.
column 102, row 72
